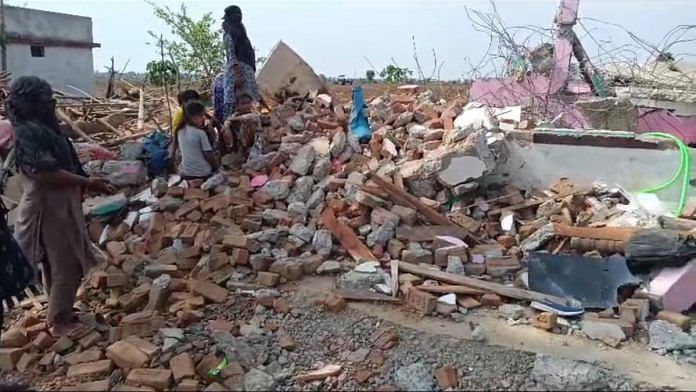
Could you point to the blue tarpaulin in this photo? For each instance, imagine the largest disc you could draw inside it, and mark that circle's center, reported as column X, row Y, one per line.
column 359, row 126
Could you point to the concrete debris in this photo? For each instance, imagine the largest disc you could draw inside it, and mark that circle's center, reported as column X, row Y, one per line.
column 430, row 193
column 667, row 336
column 414, row 377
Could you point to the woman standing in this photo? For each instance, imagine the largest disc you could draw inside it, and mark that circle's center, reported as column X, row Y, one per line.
column 50, row 227
column 241, row 60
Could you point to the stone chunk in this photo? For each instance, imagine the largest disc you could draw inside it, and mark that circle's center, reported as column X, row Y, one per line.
column 302, row 162
column 9, row 358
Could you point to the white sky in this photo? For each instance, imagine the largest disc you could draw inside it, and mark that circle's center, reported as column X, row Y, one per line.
column 334, row 36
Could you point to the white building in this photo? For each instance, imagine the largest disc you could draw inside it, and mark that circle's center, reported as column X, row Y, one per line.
column 56, row 47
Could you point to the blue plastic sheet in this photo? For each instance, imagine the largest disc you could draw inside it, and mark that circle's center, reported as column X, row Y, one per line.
column 359, row 126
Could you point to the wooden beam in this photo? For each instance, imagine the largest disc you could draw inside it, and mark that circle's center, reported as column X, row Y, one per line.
column 63, row 116
column 428, row 233
column 532, row 203
column 595, row 233
column 347, row 237
column 502, row 290
column 454, row 289
column 401, row 196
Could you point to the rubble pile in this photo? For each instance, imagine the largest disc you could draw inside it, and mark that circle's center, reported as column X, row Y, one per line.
column 403, row 218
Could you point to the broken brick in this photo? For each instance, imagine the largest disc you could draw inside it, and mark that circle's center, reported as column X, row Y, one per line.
column 9, row 358
column 268, row 279
column 446, row 377
column 182, row 367
column 421, row 301
column 126, row 355
column 95, row 369
column 334, row 303
column 186, row 208
column 209, row 291
column 545, row 321
column 678, row 319
column 491, row 300
column 159, row 379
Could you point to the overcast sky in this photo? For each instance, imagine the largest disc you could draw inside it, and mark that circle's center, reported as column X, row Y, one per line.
column 336, row 36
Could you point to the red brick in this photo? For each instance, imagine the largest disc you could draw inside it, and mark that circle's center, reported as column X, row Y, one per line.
column 334, row 303
column 468, row 302
column 209, row 291
column 93, row 386
column 216, row 203
column 492, row 300
column 421, row 301
column 327, row 124
column 545, row 321
column 101, row 368
column 43, row 341
column 90, row 355
column 446, row 377
column 268, row 279
column 240, row 256
column 499, row 266
column 189, row 234
column 281, row 306
column 236, row 240
column 188, row 386
column 507, row 241
column 182, row 367
column 176, row 191
column 126, row 355
column 159, row 379
column 195, row 194
column 62, row 345
column 26, row 361
column 208, row 362
column 186, row 208
column 9, row 358
column 286, row 343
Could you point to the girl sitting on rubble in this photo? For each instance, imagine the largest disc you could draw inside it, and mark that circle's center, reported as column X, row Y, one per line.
column 242, row 131
column 198, row 160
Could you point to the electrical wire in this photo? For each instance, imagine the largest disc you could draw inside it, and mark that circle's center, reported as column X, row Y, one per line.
column 683, row 171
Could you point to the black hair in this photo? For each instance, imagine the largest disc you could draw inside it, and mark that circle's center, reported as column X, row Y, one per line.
column 243, row 96
column 187, row 95
column 31, row 99
column 191, row 109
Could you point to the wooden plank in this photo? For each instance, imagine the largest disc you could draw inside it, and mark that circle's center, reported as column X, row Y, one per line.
column 533, row 203
column 428, row 233
column 595, row 233
column 346, row 237
column 109, row 127
column 505, row 291
column 431, row 215
column 447, row 289
column 63, row 116
column 395, row 278
column 364, row 295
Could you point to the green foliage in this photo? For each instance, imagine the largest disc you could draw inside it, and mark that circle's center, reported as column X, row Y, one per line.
column 370, row 75
column 393, row 74
column 197, row 47
column 161, row 73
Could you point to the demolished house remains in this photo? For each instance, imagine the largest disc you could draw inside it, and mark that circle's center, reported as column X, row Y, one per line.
column 449, row 206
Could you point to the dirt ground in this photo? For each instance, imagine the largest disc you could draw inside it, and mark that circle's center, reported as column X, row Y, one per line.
column 416, row 348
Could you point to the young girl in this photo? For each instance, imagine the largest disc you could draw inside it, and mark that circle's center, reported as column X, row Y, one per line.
column 197, row 156
column 244, row 133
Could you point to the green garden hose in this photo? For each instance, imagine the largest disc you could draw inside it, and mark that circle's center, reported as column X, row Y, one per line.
column 684, row 170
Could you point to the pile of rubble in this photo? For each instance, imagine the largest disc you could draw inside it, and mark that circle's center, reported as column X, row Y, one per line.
column 406, row 218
